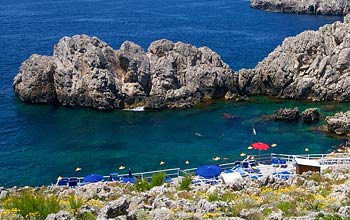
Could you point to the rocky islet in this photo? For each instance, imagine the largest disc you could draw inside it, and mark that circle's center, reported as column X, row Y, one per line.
column 84, row 71
column 314, row 7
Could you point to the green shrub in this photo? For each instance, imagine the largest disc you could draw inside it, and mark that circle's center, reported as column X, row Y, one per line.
column 33, row 205
column 244, row 203
column 287, row 208
column 228, row 197
column 158, row 179
column 316, row 205
column 142, row 185
column 185, row 183
column 266, row 211
column 86, row 216
column 213, row 197
column 316, row 177
column 322, row 216
column 75, row 203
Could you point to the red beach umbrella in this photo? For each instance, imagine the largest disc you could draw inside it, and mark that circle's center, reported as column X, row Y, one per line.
column 260, row 146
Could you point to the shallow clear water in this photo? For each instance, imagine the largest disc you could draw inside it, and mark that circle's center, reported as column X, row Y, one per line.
column 39, row 142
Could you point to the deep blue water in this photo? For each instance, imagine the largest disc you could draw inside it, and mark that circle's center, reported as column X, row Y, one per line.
column 39, row 142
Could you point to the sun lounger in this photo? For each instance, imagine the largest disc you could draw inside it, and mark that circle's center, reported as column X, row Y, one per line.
column 73, row 182
column 257, row 176
column 127, row 180
column 62, row 182
column 114, row 177
column 168, row 179
column 275, row 162
column 283, row 163
column 282, row 175
column 198, row 180
column 239, row 170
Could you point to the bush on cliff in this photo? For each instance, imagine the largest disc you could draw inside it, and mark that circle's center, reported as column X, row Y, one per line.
column 158, row 179
column 185, row 183
column 33, row 205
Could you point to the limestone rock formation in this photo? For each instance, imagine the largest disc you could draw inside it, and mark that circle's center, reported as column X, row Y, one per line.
column 316, row 7
column 339, row 123
column 286, row 114
column 34, row 82
column 310, row 115
column 183, row 74
column 313, row 65
column 84, row 71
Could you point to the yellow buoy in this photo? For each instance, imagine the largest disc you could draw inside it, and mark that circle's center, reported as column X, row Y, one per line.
column 306, row 149
column 226, row 158
column 77, row 169
column 187, row 162
column 273, row 145
column 250, row 147
column 121, row 167
column 161, row 163
column 243, row 154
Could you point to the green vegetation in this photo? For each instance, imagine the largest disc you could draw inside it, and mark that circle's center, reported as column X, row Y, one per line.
column 158, row 179
column 322, row 216
column 185, row 183
column 75, row 203
column 213, row 197
column 142, row 185
column 86, row 216
column 32, row 205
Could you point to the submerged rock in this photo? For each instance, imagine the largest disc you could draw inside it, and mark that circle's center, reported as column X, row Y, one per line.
column 339, row 123
column 84, row 71
column 315, row 7
column 286, row 114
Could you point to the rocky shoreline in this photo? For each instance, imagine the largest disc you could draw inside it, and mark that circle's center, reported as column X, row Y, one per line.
column 84, row 71
column 306, row 196
column 314, row 7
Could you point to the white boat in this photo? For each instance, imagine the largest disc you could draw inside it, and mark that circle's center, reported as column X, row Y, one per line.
column 136, row 109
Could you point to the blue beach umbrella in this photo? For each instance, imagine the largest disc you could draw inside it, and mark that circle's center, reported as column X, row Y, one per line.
column 93, row 178
column 208, row 171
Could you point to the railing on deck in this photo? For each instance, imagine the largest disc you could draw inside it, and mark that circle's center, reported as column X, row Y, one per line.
column 324, row 159
column 172, row 173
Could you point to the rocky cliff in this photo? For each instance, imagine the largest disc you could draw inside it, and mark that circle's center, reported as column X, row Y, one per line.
column 339, row 123
column 313, row 65
column 306, row 196
column 315, row 7
column 84, row 71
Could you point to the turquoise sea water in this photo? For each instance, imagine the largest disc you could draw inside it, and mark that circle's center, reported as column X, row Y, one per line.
column 40, row 142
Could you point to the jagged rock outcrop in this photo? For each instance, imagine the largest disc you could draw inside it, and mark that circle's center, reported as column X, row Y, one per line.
column 339, row 123
column 84, row 71
column 315, row 7
column 183, row 74
column 313, row 65
column 286, row 114
column 34, row 82
column 310, row 115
